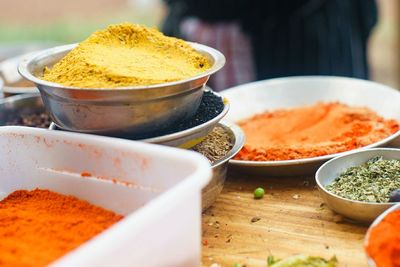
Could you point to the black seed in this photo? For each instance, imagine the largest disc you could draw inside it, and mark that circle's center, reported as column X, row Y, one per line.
column 211, row 106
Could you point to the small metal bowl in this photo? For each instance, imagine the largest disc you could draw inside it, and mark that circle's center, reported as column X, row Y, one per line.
column 220, row 167
column 356, row 210
column 134, row 110
column 371, row 262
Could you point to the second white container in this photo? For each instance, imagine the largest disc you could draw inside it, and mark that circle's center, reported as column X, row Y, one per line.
column 157, row 188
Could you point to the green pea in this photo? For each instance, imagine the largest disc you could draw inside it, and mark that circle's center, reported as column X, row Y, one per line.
column 237, row 265
column 259, row 193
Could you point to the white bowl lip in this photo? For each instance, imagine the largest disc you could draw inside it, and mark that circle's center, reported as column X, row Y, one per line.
column 271, row 163
column 353, row 154
column 219, row 62
column 378, row 219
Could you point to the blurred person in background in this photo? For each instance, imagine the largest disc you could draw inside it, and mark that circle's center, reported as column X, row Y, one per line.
column 264, row 39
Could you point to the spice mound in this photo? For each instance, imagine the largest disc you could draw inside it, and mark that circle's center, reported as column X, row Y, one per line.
column 312, row 131
column 36, row 119
column 384, row 241
column 37, row 227
column 216, row 144
column 127, row 55
column 373, row 181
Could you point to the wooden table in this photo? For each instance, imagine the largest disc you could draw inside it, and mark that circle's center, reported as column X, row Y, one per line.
column 292, row 220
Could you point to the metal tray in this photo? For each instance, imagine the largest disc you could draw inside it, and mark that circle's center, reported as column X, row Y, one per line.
column 249, row 99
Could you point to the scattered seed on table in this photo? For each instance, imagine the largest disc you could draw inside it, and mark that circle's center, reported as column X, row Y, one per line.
column 255, row 219
column 259, row 193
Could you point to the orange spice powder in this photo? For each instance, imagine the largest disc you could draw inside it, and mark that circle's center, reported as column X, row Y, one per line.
column 37, row 227
column 312, row 131
column 384, row 241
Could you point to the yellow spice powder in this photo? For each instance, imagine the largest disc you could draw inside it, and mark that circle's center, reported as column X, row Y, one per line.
column 127, row 55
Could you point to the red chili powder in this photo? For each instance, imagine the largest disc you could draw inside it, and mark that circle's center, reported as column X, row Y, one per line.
column 312, row 131
column 384, row 241
column 37, row 227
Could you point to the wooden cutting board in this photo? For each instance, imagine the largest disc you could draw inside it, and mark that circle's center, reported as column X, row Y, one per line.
column 290, row 219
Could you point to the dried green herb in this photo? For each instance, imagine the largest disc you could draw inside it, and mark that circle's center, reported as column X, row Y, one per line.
column 373, row 181
column 302, row 261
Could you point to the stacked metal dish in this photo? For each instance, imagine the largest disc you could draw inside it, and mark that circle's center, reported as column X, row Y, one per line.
column 185, row 138
column 134, row 112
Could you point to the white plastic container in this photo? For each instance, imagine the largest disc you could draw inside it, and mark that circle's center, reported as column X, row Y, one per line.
column 157, row 188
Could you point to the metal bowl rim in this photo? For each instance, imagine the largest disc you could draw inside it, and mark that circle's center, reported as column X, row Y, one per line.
column 19, row 97
column 219, row 62
column 271, row 163
column 20, row 90
column 354, row 154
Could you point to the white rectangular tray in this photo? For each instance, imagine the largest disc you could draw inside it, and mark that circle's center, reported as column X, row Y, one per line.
column 157, row 188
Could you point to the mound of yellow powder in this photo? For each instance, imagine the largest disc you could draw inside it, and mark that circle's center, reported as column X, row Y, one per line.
column 127, row 55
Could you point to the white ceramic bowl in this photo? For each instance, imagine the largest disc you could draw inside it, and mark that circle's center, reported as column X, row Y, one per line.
column 249, row 99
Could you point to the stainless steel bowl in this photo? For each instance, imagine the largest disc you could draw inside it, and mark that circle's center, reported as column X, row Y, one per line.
column 356, row 210
column 220, row 167
column 183, row 139
column 371, row 262
column 289, row 92
column 133, row 110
